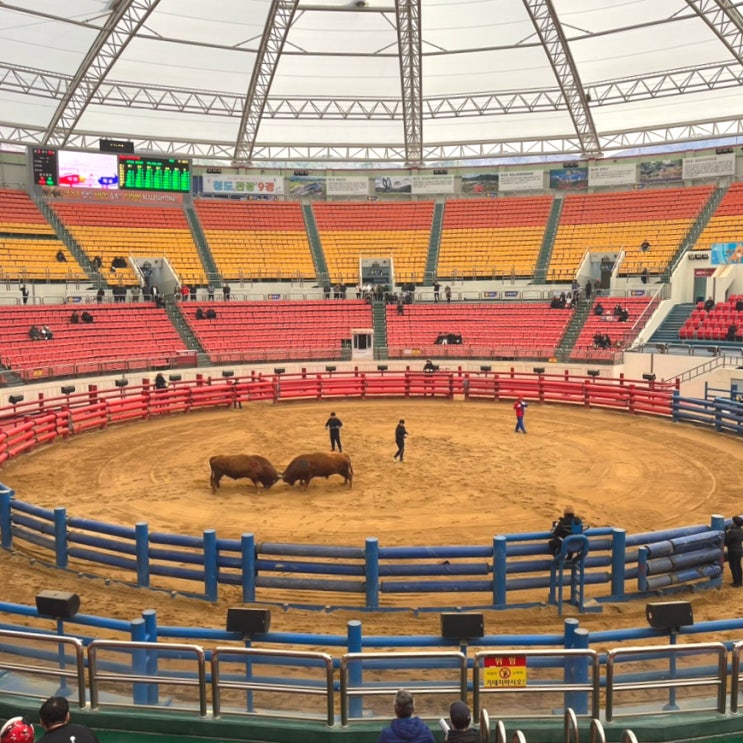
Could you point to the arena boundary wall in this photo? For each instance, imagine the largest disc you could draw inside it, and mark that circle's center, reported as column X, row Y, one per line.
column 510, row 571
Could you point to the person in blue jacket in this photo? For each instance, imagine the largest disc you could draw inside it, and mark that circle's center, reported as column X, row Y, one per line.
column 406, row 728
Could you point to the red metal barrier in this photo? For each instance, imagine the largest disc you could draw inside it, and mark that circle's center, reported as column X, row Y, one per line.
column 211, row 396
column 94, row 415
column 128, row 408
column 21, row 438
column 46, row 428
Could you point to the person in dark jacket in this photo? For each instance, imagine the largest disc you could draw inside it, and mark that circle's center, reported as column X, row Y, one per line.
column 406, row 728
column 400, row 436
column 734, row 544
column 566, row 525
column 460, row 718
column 334, row 425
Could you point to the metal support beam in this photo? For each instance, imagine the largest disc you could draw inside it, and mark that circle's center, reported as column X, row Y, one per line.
column 19, row 136
column 120, row 28
column 555, row 43
column 725, row 20
column 278, row 23
column 409, row 40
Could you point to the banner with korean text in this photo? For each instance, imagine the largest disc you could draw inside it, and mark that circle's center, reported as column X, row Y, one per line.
column 521, row 180
column 243, row 184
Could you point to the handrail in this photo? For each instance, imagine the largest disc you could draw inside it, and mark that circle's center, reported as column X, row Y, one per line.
column 571, row 733
column 384, row 688
column 485, row 726
column 596, row 733
column 500, row 732
column 590, row 686
column 59, row 642
column 629, row 737
column 672, row 679
column 247, row 685
column 97, row 675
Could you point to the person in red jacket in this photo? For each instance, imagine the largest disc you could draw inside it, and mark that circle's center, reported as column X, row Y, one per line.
column 519, row 407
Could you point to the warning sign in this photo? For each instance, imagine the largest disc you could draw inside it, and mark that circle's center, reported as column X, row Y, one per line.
column 505, row 671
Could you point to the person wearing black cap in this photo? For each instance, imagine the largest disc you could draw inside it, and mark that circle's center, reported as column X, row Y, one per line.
column 55, row 719
column 459, row 714
column 334, row 425
column 400, row 436
column 406, row 728
column 734, row 544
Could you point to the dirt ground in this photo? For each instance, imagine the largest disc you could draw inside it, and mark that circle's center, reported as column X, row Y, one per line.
column 467, row 477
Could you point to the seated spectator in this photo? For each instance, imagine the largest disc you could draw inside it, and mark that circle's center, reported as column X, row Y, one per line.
column 86, row 316
column 211, row 314
column 739, row 305
column 406, row 727
column 61, row 257
column 74, row 317
column 429, row 366
column 461, row 718
column 555, row 303
column 598, row 309
column 623, row 314
column 709, row 304
column 160, row 382
column 97, row 262
column 46, row 333
column 34, row 333
column 199, row 314
column 732, row 332
column 565, row 526
column 644, row 245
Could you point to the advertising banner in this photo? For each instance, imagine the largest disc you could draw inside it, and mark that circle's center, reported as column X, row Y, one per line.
column 709, row 167
column 569, row 179
column 612, row 175
column 663, row 171
column 481, row 183
column 347, row 185
column 423, row 184
column 247, row 184
column 726, row 253
column 521, row 180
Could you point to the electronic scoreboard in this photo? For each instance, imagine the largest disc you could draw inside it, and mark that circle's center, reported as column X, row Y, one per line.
column 77, row 169
column 146, row 173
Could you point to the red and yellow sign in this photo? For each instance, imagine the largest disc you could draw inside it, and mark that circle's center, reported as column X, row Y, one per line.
column 505, row 671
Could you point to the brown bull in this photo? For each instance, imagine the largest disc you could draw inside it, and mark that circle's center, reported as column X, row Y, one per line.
column 323, row 464
column 251, row 466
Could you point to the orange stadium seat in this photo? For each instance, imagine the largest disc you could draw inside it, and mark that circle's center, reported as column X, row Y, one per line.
column 488, row 238
column 110, row 230
column 350, row 231
column 256, row 239
column 612, row 222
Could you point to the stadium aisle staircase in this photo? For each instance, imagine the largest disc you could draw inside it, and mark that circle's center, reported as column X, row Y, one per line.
column 545, row 252
column 379, row 318
column 202, row 246
column 318, row 257
column 668, row 330
column 175, row 312
column 434, row 243
column 574, row 328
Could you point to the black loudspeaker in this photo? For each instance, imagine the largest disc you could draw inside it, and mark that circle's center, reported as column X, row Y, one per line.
column 15, row 399
column 456, row 626
column 279, row 370
column 57, row 604
column 175, row 377
column 228, row 373
column 248, row 621
column 121, row 382
column 669, row 614
column 68, row 389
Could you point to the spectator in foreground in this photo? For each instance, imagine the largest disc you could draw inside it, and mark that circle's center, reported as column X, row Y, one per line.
column 55, row 719
column 461, row 718
column 406, row 728
column 734, row 545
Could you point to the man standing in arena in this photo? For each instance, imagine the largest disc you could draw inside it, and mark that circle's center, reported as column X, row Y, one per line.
column 519, row 407
column 334, row 425
column 734, row 544
column 400, row 436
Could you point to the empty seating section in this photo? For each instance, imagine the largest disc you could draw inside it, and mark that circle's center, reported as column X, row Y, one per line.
column 277, row 329
column 487, row 238
column 714, row 324
column 726, row 224
column 28, row 243
column 256, row 239
column 621, row 334
column 487, row 329
column 351, row 231
column 612, row 222
column 110, row 230
column 117, row 332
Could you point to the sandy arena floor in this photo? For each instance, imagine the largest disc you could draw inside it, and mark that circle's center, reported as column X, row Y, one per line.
column 466, row 478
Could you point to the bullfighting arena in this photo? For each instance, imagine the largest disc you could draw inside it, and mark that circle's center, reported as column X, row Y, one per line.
column 466, row 477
